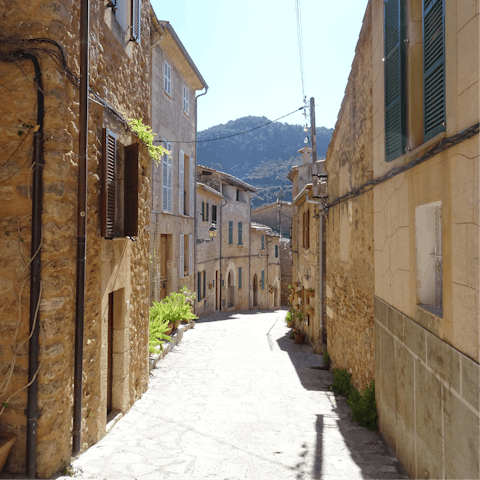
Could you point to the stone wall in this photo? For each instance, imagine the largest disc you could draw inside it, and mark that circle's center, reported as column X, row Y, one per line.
column 113, row 59
column 350, row 248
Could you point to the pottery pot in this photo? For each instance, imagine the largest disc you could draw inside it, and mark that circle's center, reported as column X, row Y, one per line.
column 299, row 338
column 6, row 442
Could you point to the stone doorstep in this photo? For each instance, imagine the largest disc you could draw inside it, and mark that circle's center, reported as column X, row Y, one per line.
column 169, row 346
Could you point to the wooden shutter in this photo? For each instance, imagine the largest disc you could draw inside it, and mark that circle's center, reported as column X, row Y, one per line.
column 165, row 180
column 108, row 183
column 190, row 254
column 263, row 279
column 181, row 183
column 136, row 20
column 203, row 284
column 230, row 233
column 433, row 68
column 192, row 187
column 182, row 261
column 199, row 283
column 203, row 211
column 395, row 101
column 239, row 278
column 240, row 233
column 169, row 179
column 131, row 191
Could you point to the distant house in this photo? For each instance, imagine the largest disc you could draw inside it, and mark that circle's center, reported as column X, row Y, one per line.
column 175, row 79
column 237, row 269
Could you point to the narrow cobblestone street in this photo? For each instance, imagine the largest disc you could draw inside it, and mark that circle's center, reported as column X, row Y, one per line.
column 237, row 399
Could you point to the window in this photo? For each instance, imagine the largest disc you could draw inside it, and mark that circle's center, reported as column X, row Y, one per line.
column 167, row 178
column 181, row 183
column 192, row 187
column 120, row 171
column 167, row 78
column 395, row 102
column 239, row 278
column 214, row 213
column 136, row 23
column 199, row 286
column 238, row 195
column 276, row 251
column 184, row 255
column 230, row 233
column 428, row 237
column 240, row 233
column 208, row 208
column 306, row 229
column 433, row 68
column 263, row 280
column 263, row 242
column 186, row 97
column 187, row 254
column 203, row 284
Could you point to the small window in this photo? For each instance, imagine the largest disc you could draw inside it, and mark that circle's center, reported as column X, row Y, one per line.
column 230, row 233
column 428, row 237
column 238, row 195
column 240, row 242
column 306, row 229
column 239, row 278
column 167, row 78
column 263, row 280
column 207, row 209
column 263, row 242
column 186, row 98
column 276, row 251
column 214, row 213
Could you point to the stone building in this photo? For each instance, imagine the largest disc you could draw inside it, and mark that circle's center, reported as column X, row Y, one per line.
column 40, row 223
column 175, row 79
column 278, row 216
column 307, row 292
column 403, row 229
column 230, row 265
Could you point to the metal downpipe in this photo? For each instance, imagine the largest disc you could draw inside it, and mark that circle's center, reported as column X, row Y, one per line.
column 81, row 227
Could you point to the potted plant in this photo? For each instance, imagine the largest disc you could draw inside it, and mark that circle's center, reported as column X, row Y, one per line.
column 299, row 337
column 289, row 318
column 6, row 443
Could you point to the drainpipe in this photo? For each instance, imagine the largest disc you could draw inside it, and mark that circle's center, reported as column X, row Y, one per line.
column 320, row 283
column 195, row 270
column 35, row 279
column 81, row 227
column 221, row 275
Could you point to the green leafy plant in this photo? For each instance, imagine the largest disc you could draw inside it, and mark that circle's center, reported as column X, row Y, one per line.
column 364, row 407
column 326, row 358
column 158, row 327
column 146, row 135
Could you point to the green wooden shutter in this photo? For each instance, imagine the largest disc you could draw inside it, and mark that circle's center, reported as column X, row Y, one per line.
column 239, row 278
column 230, row 233
column 203, row 211
column 208, row 208
column 199, row 286
column 395, row 101
column 240, row 240
column 263, row 279
column 204, row 284
column 433, row 68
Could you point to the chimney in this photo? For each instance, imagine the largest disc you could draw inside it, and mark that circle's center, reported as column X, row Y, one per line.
column 306, row 155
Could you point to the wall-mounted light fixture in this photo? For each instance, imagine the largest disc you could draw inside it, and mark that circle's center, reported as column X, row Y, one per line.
column 212, row 233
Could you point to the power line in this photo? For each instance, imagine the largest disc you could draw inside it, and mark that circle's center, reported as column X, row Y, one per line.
column 298, row 12
column 233, row 134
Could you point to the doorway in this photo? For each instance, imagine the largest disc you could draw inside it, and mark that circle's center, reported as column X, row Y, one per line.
column 231, row 291
column 255, row 290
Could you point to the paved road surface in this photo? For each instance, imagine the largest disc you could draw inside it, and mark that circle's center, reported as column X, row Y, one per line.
column 237, row 399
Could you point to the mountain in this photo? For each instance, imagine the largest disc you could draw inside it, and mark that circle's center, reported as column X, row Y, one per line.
column 261, row 158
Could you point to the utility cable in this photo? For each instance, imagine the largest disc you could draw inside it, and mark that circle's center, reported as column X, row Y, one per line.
column 234, row 134
column 300, row 42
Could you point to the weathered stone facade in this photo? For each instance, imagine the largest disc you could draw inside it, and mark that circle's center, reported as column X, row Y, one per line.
column 116, row 269
column 175, row 79
column 350, row 249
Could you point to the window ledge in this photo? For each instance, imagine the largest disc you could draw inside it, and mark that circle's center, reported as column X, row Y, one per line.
column 438, row 312
column 167, row 94
column 185, row 113
column 420, row 150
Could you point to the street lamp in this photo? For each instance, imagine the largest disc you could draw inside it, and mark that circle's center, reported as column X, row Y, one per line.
column 212, row 231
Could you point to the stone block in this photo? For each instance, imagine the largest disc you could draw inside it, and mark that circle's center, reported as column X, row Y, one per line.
column 405, row 445
column 428, row 418
column 459, row 248
column 470, row 382
column 388, row 375
column 404, row 369
column 465, row 319
column 414, row 338
column 120, row 340
column 461, row 430
column 395, row 322
column 397, row 289
column 427, row 320
column 444, row 360
column 380, row 310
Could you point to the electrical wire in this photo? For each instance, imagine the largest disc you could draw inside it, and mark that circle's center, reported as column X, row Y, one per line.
column 298, row 12
column 234, row 134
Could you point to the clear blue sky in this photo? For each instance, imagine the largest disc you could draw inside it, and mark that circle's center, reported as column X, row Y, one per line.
column 247, row 52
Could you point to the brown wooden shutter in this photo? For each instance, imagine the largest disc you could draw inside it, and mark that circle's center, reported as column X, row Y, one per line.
column 131, row 190
column 108, row 183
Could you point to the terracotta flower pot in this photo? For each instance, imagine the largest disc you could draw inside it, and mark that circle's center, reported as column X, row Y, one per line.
column 6, row 442
column 170, row 328
column 299, row 338
column 289, row 324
